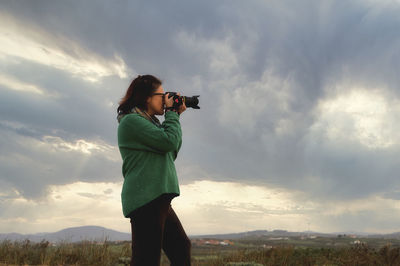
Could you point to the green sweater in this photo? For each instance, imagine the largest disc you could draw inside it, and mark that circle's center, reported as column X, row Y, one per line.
column 148, row 153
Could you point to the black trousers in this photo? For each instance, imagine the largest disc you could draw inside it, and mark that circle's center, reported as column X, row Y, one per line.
column 155, row 226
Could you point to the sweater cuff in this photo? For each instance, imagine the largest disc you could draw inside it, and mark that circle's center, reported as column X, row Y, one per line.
column 171, row 113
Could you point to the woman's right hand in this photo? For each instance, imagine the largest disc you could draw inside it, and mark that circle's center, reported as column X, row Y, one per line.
column 169, row 102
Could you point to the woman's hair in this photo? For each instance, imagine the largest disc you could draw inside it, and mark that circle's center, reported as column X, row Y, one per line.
column 140, row 89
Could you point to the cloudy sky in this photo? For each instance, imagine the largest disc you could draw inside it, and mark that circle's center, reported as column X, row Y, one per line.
column 298, row 126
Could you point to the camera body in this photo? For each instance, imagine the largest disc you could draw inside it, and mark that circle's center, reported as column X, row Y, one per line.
column 191, row 102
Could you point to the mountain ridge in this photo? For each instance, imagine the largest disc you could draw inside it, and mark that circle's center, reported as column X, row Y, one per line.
column 100, row 234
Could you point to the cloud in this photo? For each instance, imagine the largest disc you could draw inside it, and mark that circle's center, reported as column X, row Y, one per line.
column 364, row 117
column 204, row 207
column 264, row 129
column 224, row 207
column 31, row 165
column 294, row 96
column 13, row 84
column 352, row 145
column 30, row 42
column 76, row 204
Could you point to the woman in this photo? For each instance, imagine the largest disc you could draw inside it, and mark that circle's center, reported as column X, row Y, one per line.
column 148, row 151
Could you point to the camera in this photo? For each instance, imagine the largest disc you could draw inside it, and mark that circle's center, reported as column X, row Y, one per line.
column 191, row 102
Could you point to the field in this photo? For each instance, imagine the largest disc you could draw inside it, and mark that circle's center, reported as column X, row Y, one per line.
column 253, row 251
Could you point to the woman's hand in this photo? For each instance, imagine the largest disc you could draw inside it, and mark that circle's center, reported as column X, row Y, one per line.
column 169, row 102
column 182, row 108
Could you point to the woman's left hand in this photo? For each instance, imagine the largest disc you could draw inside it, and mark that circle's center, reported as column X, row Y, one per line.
column 182, row 108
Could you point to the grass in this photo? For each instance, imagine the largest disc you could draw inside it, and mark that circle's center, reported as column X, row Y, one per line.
column 83, row 253
column 288, row 255
column 89, row 253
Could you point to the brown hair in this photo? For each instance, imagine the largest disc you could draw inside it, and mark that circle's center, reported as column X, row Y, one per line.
column 138, row 92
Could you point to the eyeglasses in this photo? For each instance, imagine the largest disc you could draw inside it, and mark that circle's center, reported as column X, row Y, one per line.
column 158, row 93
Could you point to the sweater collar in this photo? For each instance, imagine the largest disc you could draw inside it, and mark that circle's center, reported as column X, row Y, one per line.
column 136, row 110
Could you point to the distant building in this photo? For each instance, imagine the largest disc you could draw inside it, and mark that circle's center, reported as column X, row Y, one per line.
column 278, row 238
column 214, row 242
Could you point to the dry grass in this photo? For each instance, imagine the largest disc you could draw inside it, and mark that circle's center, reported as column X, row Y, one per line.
column 89, row 253
column 84, row 253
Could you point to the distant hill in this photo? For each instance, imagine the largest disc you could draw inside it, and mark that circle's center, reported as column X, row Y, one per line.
column 74, row 234
column 260, row 234
column 391, row 236
column 97, row 233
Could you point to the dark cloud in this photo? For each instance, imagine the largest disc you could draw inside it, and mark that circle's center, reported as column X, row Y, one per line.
column 242, row 58
column 91, row 195
column 29, row 165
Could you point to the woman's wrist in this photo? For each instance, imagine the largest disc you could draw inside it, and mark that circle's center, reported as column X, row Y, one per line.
column 172, row 110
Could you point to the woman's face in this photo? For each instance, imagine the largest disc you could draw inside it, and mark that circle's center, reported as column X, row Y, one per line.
column 155, row 103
